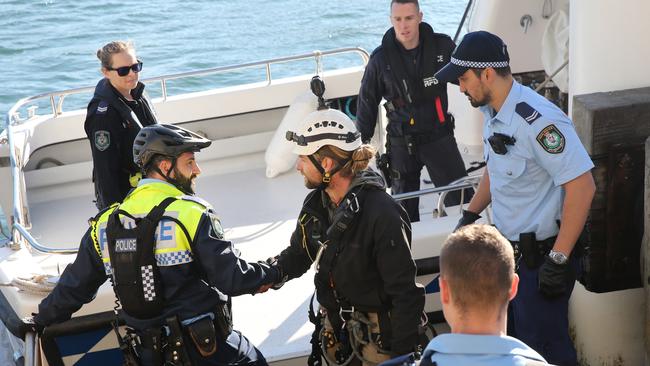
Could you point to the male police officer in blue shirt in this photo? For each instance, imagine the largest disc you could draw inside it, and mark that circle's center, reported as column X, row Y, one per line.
column 537, row 175
column 477, row 281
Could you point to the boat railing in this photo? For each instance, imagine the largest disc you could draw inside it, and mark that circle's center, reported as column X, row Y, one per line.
column 20, row 221
column 57, row 98
column 461, row 184
column 462, row 20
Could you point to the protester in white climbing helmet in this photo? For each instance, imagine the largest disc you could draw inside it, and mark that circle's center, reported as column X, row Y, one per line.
column 359, row 239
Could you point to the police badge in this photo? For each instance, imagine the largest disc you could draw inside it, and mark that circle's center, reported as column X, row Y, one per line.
column 217, row 230
column 102, row 140
column 551, row 139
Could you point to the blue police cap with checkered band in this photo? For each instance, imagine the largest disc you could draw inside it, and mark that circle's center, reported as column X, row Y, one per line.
column 477, row 50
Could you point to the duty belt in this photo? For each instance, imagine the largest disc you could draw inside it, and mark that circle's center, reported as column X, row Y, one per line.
column 417, row 139
column 530, row 250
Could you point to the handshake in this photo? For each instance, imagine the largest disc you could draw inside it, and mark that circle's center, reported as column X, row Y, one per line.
column 278, row 280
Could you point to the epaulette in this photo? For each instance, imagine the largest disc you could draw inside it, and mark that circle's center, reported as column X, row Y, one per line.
column 102, row 107
column 527, row 112
column 198, row 200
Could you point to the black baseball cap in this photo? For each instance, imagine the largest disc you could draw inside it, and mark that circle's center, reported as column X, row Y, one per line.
column 477, row 50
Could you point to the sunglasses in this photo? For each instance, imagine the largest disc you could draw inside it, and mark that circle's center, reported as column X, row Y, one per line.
column 124, row 70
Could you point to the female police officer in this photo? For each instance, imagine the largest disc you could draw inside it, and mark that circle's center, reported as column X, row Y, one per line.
column 359, row 238
column 117, row 111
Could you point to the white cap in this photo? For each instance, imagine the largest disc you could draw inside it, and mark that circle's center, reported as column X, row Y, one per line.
column 326, row 127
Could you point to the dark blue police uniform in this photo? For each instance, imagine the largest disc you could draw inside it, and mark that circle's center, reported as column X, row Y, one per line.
column 199, row 273
column 111, row 125
column 420, row 131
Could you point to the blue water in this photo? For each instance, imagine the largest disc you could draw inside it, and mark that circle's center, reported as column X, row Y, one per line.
column 50, row 45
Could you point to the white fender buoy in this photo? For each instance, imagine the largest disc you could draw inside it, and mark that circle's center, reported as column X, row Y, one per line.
column 278, row 156
column 555, row 46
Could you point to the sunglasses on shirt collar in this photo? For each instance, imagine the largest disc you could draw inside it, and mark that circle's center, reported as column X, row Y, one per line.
column 124, row 70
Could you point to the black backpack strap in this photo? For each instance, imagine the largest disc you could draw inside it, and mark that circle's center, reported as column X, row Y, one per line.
column 157, row 212
column 136, row 277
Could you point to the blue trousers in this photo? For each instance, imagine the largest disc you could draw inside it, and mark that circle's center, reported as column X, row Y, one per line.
column 236, row 350
column 541, row 323
column 443, row 162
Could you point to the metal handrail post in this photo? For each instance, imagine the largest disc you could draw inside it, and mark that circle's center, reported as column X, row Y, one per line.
column 30, row 348
column 462, row 20
column 17, row 211
column 422, row 192
column 33, row 243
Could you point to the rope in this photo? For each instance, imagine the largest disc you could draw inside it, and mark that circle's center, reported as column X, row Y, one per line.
column 37, row 284
column 356, row 326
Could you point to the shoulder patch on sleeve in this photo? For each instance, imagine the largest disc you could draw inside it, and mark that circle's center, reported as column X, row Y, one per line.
column 102, row 107
column 102, row 140
column 551, row 139
column 216, row 226
column 527, row 112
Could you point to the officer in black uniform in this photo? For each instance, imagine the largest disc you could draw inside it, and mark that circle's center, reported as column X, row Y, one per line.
column 358, row 238
column 420, row 131
column 171, row 268
column 117, row 111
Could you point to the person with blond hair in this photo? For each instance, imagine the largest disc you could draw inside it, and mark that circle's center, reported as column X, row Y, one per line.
column 115, row 115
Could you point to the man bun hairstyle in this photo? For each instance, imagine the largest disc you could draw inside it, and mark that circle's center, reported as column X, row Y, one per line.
column 355, row 161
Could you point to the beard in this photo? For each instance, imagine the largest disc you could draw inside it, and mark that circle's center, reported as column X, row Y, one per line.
column 309, row 184
column 185, row 184
column 478, row 102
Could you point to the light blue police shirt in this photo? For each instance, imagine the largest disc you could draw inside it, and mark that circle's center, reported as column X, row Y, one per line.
column 526, row 182
column 484, row 350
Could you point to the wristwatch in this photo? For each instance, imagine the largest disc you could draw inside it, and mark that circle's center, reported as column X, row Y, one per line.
column 557, row 257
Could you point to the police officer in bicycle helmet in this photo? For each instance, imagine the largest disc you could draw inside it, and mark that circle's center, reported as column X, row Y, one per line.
column 358, row 238
column 167, row 142
column 172, row 270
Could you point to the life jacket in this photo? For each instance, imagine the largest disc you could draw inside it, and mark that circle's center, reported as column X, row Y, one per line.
column 424, row 88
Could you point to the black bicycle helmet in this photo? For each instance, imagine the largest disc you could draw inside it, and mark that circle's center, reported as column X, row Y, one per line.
column 167, row 140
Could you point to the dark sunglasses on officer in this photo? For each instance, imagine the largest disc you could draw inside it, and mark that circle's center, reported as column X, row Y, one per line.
column 124, row 70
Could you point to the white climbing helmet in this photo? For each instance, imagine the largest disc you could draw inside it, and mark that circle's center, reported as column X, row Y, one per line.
column 325, row 127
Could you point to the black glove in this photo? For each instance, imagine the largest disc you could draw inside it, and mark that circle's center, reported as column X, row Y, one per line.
column 30, row 324
column 468, row 217
column 554, row 279
column 280, row 278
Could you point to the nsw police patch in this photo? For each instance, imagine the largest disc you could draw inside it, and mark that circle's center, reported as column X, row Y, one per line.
column 551, row 139
column 102, row 140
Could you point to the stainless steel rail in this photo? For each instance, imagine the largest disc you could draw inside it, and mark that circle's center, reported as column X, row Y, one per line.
column 460, row 184
column 57, row 104
column 20, row 220
column 462, row 21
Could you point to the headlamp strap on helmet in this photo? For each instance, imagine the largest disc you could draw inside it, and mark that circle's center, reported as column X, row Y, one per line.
column 302, row 140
